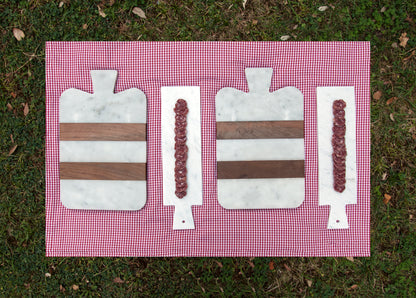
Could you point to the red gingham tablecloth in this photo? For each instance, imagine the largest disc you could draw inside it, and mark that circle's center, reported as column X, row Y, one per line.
column 219, row 232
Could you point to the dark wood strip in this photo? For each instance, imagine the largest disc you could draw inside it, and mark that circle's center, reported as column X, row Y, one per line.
column 260, row 169
column 102, row 131
column 260, row 130
column 102, row 171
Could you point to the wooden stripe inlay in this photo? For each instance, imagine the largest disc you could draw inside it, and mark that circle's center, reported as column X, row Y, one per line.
column 102, row 131
column 260, row 169
column 102, row 171
column 260, row 130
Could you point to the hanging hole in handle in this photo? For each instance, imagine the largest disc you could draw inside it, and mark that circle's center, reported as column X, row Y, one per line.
column 183, row 221
column 337, row 220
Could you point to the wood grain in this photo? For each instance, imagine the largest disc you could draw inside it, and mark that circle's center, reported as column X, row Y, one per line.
column 102, row 131
column 102, row 171
column 260, row 169
column 260, row 130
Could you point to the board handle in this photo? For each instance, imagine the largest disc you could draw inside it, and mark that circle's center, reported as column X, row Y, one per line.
column 183, row 218
column 337, row 217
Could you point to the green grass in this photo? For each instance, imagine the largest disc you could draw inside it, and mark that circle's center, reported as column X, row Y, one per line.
column 390, row 271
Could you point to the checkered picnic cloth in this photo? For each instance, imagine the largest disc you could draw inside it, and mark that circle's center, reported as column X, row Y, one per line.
column 219, row 232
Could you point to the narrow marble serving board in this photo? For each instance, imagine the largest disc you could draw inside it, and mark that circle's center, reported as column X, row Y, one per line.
column 327, row 195
column 260, row 145
column 103, row 146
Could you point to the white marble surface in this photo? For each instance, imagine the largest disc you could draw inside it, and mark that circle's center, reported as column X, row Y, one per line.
column 103, row 194
column 183, row 218
column 260, row 149
column 259, row 104
column 102, row 151
column 103, row 106
column 261, row 193
column 327, row 194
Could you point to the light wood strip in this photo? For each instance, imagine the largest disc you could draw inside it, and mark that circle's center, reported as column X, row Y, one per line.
column 102, row 171
column 102, row 131
column 260, row 169
column 260, row 129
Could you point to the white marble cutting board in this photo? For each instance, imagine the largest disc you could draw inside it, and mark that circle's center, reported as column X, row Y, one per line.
column 103, row 106
column 259, row 104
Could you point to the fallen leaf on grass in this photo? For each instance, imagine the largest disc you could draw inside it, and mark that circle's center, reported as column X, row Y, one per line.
column 13, row 94
column 285, row 37
column 47, row 274
column 384, row 177
column 323, row 8
column 287, row 267
column 61, row 4
column 350, row 259
column 85, row 26
column 254, row 22
column 11, row 138
column 387, row 198
column 26, row 109
column 383, row 9
column 394, row 45
column 353, row 287
column 9, row 106
column 75, row 287
column 271, row 265
column 12, row 150
column 218, row 263
column 18, row 34
column 309, row 282
column 392, row 117
column 138, row 11
column 244, row 4
column 377, row 95
column 101, row 12
column 403, row 39
column 391, row 100
column 61, row 288
column 118, row 280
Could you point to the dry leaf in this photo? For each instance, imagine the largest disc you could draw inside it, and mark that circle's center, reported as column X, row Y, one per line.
column 287, row 267
column 403, row 39
column 377, row 95
column 391, row 100
column 271, row 265
column 383, row 9
column 218, row 263
column 244, row 4
column 9, row 106
column 387, row 198
column 323, row 8
column 309, row 282
column 384, row 177
column 118, row 280
column 350, row 259
column 353, row 287
column 75, row 287
column 61, row 288
column 13, row 94
column 254, row 22
column 85, row 26
column 101, row 12
column 12, row 150
column 26, row 109
column 394, row 45
column 138, row 11
column 392, row 117
column 11, row 138
column 61, row 3
column 47, row 274
column 285, row 37
column 19, row 34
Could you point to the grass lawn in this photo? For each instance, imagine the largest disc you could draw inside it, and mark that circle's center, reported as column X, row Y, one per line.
column 390, row 271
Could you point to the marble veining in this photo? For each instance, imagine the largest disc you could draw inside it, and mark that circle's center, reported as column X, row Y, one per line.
column 103, row 194
column 260, row 149
column 327, row 194
column 261, row 193
column 183, row 218
column 102, row 151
